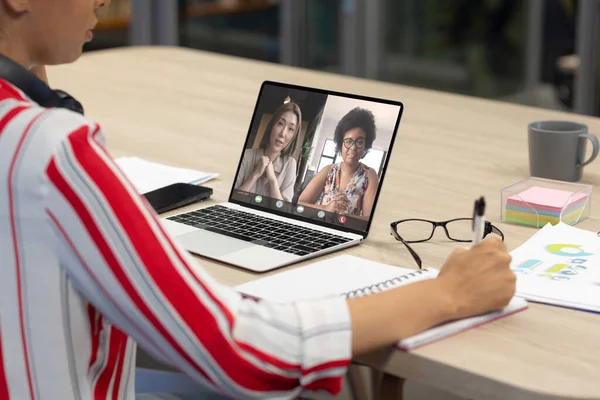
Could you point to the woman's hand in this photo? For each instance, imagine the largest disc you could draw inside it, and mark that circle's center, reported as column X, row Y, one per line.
column 480, row 279
column 260, row 166
column 338, row 204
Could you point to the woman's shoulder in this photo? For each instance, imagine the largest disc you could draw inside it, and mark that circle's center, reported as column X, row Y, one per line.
column 290, row 165
column 290, row 162
column 334, row 167
column 369, row 174
column 252, row 154
column 251, row 151
column 366, row 169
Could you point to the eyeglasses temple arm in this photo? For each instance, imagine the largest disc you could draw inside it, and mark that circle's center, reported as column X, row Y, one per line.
column 499, row 232
column 410, row 249
column 414, row 254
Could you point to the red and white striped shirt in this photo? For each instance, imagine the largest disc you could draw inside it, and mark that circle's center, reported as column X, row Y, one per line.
column 87, row 271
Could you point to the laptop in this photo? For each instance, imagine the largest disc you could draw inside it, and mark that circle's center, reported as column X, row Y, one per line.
column 307, row 183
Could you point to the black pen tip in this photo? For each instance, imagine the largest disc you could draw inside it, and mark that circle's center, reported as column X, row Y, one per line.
column 480, row 206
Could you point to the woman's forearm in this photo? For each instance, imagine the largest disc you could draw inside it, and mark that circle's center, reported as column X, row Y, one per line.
column 274, row 190
column 381, row 320
column 248, row 183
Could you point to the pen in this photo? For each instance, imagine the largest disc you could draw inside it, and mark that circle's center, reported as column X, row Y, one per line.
column 478, row 220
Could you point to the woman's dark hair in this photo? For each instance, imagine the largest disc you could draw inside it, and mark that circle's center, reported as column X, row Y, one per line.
column 356, row 118
column 291, row 147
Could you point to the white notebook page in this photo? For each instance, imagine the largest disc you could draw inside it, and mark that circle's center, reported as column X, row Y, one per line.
column 331, row 277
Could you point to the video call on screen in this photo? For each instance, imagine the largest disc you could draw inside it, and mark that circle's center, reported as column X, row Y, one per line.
column 316, row 155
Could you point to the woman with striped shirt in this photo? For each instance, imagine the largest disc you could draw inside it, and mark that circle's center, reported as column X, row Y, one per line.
column 87, row 272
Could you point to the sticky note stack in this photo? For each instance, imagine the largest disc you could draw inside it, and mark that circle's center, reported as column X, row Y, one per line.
column 537, row 205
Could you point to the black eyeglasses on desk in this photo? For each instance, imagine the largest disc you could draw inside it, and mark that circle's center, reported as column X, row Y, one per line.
column 421, row 230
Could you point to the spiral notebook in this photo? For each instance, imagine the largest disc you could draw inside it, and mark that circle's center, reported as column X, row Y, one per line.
column 350, row 276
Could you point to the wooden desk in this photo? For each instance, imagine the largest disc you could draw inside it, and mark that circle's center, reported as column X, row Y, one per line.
column 193, row 109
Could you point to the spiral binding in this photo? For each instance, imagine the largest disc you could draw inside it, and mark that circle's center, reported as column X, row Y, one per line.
column 382, row 286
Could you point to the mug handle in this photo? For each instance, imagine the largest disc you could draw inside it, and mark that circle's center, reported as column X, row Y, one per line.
column 595, row 146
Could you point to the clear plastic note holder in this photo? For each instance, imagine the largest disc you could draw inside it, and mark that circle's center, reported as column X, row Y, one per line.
column 536, row 202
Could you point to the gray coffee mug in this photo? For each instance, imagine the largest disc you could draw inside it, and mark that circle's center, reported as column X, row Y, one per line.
column 557, row 149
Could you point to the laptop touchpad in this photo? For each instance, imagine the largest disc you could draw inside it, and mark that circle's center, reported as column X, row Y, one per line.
column 211, row 244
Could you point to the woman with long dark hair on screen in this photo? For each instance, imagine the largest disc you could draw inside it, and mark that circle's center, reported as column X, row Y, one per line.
column 270, row 169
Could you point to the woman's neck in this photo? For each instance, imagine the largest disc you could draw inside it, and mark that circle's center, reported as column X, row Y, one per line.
column 13, row 48
column 349, row 169
column 37, row 70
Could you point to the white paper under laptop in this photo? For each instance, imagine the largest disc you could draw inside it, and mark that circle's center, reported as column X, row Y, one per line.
column 307, row 183
column 147, row 176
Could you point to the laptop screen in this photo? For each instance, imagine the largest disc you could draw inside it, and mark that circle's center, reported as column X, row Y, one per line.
column 316, row 156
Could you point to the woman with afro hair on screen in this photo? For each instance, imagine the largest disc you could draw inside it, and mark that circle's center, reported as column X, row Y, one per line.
column 348, row 187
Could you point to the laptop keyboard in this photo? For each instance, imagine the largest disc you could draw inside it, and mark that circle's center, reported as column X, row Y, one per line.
column 260, row 230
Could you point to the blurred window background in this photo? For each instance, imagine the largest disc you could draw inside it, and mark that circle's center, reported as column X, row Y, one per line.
column 536, row 52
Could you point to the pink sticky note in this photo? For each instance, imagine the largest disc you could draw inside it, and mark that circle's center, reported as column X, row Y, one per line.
column 548, row 199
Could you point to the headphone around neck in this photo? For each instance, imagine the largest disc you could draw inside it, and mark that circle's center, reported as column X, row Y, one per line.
column 35, row 88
